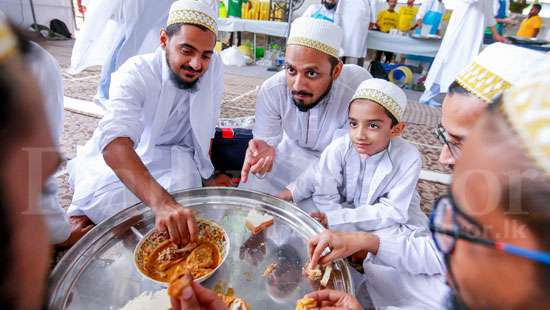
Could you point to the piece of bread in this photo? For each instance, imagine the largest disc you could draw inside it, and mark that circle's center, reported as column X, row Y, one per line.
column 239, row 304
column 315, row 273
column 326, row 276
column 269, row 270
column 177, row 286
column 306, row 303
column 257, row 222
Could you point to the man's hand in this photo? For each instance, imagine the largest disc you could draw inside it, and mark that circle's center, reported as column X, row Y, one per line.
column 372, row 26
column 285, row 195
column 499, row 38
column 259, row 159
column 80, row 225
column 196, row 297
column 341, row 244
column 178, row 221
column 334, row 300
column 321, row 218
column 220, row 179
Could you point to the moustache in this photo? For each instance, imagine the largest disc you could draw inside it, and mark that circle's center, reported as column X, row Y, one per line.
column 189, row 68
column 301, row 93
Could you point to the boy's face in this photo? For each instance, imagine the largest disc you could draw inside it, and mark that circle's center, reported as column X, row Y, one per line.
column 370, row 128
column 392, row 4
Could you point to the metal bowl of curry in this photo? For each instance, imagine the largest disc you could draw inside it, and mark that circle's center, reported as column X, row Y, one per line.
column 162, row 261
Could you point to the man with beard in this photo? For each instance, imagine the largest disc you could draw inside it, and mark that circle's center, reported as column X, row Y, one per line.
column 325, row 10
column 156, row 135
column 493, row 227
column 300, row 110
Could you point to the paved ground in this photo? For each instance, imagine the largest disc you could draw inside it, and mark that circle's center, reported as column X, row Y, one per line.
column 241, row 85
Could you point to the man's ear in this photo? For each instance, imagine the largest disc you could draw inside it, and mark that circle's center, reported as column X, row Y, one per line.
column 337, row 70
column 397, row 130
column 163, row 38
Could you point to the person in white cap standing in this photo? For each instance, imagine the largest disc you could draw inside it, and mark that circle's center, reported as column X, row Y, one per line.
column 156, row 135
column 366, row 181
column 460, row 45
column 497, row 68
column 300, row 110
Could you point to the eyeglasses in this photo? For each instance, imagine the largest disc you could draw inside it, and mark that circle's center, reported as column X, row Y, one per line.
column 441, row 134
column 446, row 229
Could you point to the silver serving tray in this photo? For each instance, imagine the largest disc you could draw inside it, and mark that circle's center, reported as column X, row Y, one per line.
column 98, row 272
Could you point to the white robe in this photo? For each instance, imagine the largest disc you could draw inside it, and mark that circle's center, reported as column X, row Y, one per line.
column 299, row 137
column 314, row 9
column 354, row 16
column 48, row 75
column 143, row 98
column 461, row 42
column 378, row 194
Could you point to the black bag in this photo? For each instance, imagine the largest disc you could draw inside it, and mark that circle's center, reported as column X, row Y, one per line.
column 229, row 148
column 60, row 28
column 377, row 70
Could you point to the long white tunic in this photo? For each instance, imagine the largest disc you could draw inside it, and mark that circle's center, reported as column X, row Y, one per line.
column 461, row 42
column 367, row 194
column 48, row 75
column 299, row 137
column 316, row 10
column 354, row 16
column 171, row 130
column 378, row 194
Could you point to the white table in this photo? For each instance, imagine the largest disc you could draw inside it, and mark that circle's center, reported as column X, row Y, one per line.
column 272, row 28
column 402, row 44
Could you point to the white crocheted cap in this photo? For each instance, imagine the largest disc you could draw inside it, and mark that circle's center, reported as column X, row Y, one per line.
column 497, row 68
column 196, row 12
column 316, row 33
column 385, row 93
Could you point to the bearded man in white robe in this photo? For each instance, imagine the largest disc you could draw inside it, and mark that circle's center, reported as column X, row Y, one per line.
column 300, row 110
column 156, row 135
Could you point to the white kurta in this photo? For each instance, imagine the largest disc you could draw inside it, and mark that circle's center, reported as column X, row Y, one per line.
column 299, row 137
column 461, row 42
column 48, row 75
column 171, row 130
column 378, row 194
column 315, row 10
column 367, row 194
column 354, row 16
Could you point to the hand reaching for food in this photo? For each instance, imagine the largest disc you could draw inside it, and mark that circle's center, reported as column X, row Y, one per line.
column 340, row 244
column 330, row 299
column 188, row 295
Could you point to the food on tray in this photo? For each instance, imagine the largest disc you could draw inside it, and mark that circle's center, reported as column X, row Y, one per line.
column 326, row 276
column 257, row 222
column 235, row 303
column 306, row 303
column 314, row 273
column 177, row 286
column 269, row 270
column 162, row 260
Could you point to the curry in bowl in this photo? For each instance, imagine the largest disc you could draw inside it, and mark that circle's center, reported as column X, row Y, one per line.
column 157, row 258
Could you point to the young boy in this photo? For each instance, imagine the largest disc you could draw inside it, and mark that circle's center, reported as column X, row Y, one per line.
column 407, row 15
column 366, row 181
column 387, row 20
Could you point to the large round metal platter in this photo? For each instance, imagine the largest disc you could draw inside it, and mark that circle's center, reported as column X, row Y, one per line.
column 99, row 273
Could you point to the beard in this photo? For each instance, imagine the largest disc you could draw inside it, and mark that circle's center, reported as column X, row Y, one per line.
column 328, row 6
column 177, row 80
column 303, row 107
